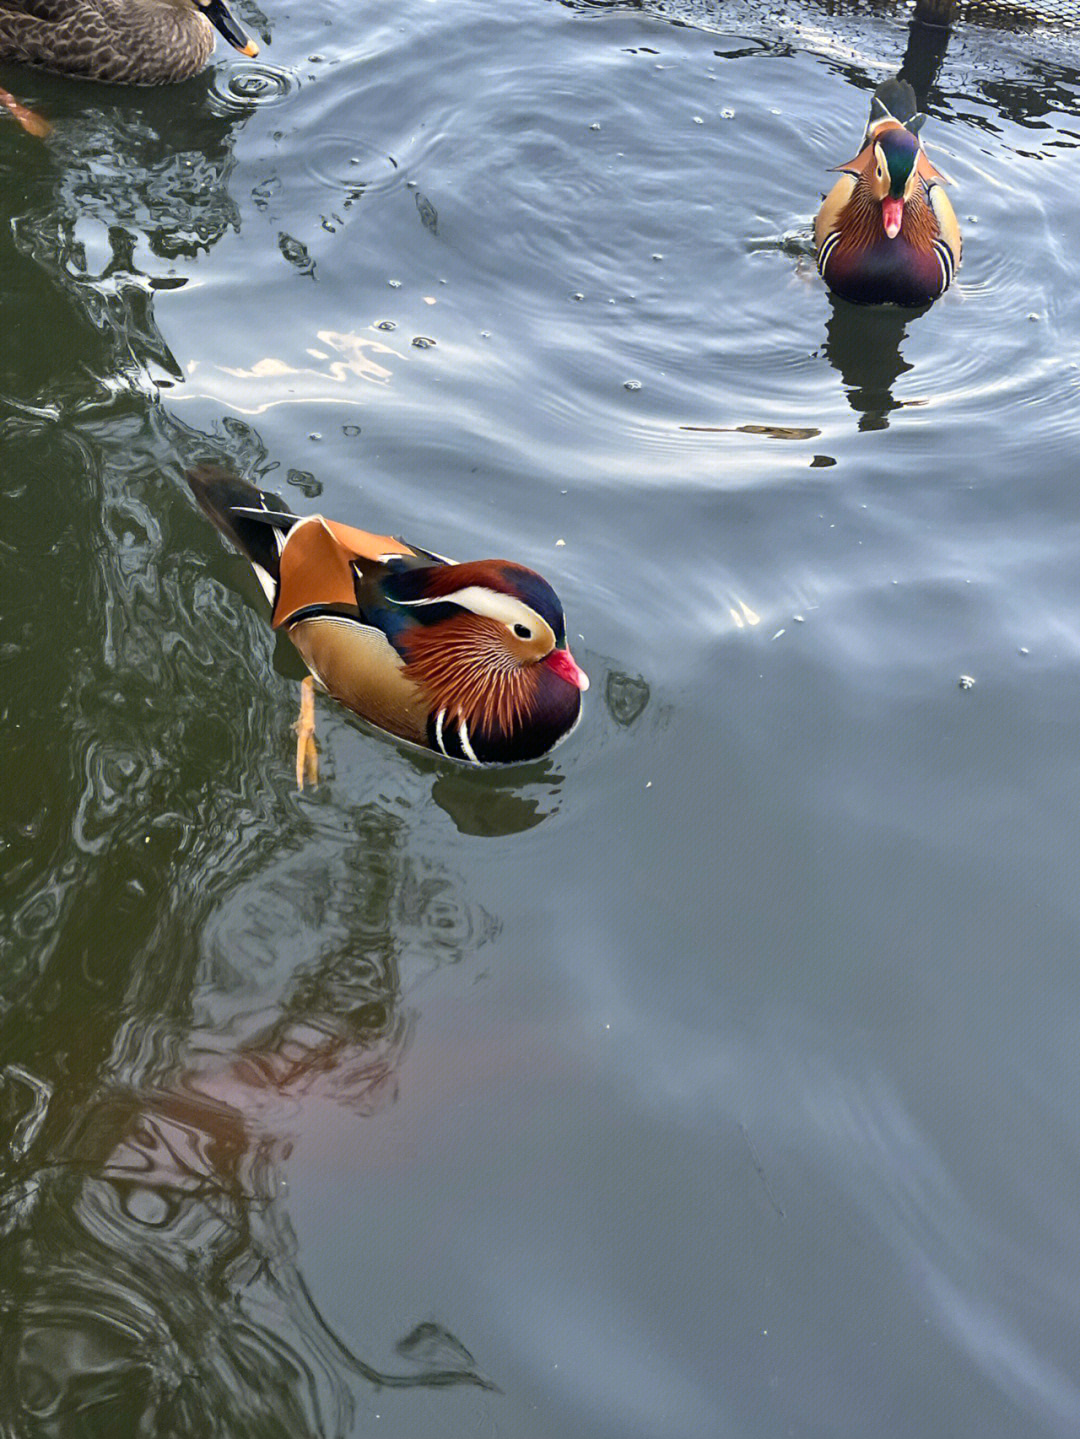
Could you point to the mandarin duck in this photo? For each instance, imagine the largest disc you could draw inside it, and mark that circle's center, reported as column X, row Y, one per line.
column 129, row 42
column 467, row 660
column 886, row 233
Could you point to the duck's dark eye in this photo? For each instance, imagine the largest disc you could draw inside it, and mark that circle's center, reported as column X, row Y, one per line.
column 523, row 632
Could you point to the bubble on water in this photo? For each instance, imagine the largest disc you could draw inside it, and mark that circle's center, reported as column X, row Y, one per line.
column 350, row 430
column 966, row 682
column 727, row 113
column 631, row 384
column 315, row 435
column 257, row 85
column 394, row 284
column 595, row 125
column 386, row 325
column 423, row 342
column 577, row 295
column 305, row 482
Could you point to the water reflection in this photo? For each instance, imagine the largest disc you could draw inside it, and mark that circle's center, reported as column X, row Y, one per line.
column 928, row 40
column 862, row 343
column 495, row 803
column 191, row 961
column 150, row 1268
column 102, row 217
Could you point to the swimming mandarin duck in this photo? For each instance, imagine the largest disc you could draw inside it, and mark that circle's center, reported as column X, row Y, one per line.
column 127, row 42
column 886, row 233
column 468, row 660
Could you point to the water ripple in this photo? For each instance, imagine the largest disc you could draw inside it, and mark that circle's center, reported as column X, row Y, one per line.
column 350, row 165
column 258, row 84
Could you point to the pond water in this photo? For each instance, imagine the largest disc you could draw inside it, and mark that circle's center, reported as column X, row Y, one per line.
column 718, row 1075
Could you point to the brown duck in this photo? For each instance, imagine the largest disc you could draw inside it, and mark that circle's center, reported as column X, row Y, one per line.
column 124, row 42
column 470, row 660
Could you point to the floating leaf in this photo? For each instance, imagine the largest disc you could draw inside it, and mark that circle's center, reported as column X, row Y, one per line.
column 773, row 432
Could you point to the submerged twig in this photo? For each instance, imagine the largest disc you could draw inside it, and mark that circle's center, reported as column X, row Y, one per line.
column 760, row 1171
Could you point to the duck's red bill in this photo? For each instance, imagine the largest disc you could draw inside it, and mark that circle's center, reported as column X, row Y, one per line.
column 567, row 668
column 892, row 216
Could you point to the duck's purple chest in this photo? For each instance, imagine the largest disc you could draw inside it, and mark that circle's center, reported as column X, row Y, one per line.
column 885, row 272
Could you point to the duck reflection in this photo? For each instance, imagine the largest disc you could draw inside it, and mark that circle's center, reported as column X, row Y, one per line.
column 99, row 220
column 494, row 802
column 862, row 343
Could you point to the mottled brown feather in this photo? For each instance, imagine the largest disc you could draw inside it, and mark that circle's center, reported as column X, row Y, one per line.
column 133, row 42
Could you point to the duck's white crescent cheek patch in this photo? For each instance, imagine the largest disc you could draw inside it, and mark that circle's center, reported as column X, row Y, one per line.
column 491, row 604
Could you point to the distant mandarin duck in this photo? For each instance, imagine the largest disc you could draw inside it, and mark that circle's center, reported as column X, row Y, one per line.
column 468, row 660
column 886, row 233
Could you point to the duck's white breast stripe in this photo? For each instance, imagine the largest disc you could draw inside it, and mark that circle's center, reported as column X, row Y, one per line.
column 463, row 736
column 946, row 261
column 828, row 245
column 439, row 718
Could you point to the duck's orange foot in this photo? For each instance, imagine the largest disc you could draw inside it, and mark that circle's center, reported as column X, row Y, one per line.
column 31, row 122
column 307, row 756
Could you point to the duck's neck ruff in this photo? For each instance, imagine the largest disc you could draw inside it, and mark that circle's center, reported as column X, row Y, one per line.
column 464, row 668
column 861, row 224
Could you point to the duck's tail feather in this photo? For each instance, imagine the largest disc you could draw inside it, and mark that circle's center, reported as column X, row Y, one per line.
column 255, row 522
column 893, row 97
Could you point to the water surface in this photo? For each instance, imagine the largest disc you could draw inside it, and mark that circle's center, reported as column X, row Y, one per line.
column 717, row 1075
